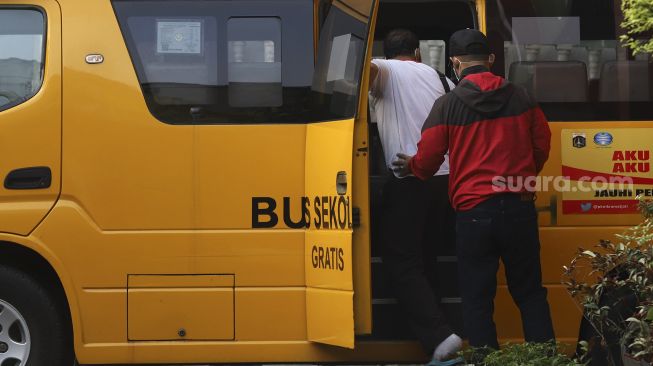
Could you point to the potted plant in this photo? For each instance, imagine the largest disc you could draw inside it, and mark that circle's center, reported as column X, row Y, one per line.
column 614, row 285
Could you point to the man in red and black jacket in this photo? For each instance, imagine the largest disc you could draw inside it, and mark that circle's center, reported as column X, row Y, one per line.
column 498, row 140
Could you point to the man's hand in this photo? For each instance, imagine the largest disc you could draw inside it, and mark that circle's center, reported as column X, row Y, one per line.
column 401, row 166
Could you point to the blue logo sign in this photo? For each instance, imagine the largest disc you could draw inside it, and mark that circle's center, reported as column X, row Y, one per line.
column 603, row 139
column 586, row 207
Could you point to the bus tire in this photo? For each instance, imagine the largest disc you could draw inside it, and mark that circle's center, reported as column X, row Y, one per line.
column 33, row 329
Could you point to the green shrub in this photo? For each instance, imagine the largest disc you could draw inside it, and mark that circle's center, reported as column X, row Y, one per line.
column 603, row 280
column 526, row 354
column 638, row 23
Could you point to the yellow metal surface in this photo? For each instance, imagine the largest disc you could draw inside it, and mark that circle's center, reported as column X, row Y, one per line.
column 480, row 13
column 234, row 163
column 329, row 317
column 361, row 243
column 276, row 314
column 188, row 308
column 31, row 134
column 253, row 352
column 328, row 240
column 117, row 157
column 329, row 260
column 180, row 281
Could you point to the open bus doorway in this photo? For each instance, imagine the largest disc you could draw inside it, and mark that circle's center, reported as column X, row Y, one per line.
column 434, row 22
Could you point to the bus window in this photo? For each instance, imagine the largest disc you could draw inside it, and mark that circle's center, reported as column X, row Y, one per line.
column 21, row 55
column 567, row 54
column 340, row 60
column 230, row 62
column 254, row 62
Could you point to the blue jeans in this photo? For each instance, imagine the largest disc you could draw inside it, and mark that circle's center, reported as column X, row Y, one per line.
column 502, row 227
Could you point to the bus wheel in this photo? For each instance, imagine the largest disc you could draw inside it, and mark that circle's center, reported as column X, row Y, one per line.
column 32, row 329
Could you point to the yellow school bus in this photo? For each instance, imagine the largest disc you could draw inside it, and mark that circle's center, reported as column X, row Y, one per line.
column 197, row 181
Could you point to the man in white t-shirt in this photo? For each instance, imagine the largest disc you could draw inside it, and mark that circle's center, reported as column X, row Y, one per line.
column 417, row 215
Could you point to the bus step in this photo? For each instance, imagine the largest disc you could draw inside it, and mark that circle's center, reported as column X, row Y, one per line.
column 442, row 274
column 389, row 321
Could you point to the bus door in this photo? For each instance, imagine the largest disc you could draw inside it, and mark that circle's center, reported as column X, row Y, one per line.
column 341, row 57
column 30, row 112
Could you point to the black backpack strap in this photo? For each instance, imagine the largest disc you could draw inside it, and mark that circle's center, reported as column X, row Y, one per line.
column 443, row 79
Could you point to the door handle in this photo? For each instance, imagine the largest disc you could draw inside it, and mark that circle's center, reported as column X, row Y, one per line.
column 29, row 178
column 341, row 183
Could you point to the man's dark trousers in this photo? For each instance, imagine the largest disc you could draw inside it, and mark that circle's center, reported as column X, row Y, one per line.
column 501, row 227
column 414, row 213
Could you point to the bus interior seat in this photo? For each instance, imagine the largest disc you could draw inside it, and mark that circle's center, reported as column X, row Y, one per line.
column 513, row 53
column 624, row 81
column 608, row 54
column 579, row 53
column 547, row 53
column 542, row 79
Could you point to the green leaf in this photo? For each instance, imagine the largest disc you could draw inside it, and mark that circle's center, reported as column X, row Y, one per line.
column 589, row 253
column 649, row 314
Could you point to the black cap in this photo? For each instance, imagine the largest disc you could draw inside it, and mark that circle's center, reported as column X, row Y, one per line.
column 468, row 42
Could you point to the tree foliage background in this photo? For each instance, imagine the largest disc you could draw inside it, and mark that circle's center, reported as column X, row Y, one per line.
column 638, row 23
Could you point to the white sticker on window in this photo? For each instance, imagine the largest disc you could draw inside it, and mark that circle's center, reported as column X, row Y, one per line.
column 338, row 58
column 184, row 37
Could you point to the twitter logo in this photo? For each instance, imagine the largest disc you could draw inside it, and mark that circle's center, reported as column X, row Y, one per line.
column 586, row 206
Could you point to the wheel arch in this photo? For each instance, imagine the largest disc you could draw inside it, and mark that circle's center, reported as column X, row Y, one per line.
column 32, row 258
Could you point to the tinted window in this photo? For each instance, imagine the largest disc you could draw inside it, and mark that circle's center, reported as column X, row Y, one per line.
column 221, row 61
column 339, row 66
column 254, row 48
column 567, row 54
column 21, row 55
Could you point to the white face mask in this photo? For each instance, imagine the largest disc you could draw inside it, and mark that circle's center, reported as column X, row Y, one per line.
column 460, row 63
column 455, row 69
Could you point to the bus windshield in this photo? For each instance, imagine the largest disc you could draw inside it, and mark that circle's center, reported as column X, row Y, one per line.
column 567, row 54
column 244, row 62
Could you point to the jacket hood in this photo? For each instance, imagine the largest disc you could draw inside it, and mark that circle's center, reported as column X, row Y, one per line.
column 484, row 93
